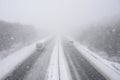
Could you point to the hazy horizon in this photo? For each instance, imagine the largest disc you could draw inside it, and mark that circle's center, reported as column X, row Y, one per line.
column 58, row 16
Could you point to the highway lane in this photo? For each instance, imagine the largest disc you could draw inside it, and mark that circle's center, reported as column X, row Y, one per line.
column 37, row 66
column 79, row 67
column 33, row 68
column 39, row 70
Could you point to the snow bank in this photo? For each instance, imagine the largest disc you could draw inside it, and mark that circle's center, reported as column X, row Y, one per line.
column 10, row 63
column 64, row 69
column 53, row 70
column 105, row 67
column 58, row 68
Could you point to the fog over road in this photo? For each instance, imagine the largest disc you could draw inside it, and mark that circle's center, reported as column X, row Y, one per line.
column 59, row 60
column 81, row 40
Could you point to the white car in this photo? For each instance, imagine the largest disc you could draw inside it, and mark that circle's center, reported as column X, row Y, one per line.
column 40, row 46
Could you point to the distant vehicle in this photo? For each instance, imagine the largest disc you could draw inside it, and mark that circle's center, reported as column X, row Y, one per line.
column 71, row 42
column 40, row 46
column 116, row 66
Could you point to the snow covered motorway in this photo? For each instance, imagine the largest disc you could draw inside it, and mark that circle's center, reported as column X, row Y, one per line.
column 57, row 59
column 103, row 67
column 12, row 62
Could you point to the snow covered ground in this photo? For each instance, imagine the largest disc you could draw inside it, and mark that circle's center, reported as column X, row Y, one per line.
column 58, row 68
column 53, row 69
column 10, row 63
column 7, row 52
column 109, row 69
column 64, row 69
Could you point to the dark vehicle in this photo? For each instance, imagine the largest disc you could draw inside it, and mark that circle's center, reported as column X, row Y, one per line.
column 40, row 46
column 70, row 43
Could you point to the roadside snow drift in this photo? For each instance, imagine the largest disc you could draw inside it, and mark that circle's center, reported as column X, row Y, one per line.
column 11, row 62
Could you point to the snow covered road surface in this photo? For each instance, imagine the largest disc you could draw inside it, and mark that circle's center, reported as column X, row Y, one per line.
column 64, row 69
column 39, row 68
column 105, row 67
column 100, row 64
column 66, row 60
column 11, row 62
column 53, row 69
column 58, row 68
column 8, row 64
column 34, row 65
column 80, row 68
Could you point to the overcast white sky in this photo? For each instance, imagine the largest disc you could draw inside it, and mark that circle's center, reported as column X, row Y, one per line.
column 57, row 15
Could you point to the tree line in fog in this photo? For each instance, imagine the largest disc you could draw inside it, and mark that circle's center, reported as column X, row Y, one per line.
column 104, row 37
column 15, row 33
